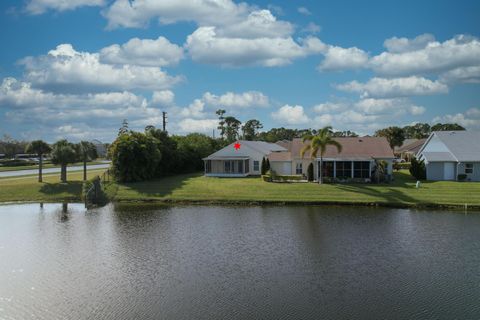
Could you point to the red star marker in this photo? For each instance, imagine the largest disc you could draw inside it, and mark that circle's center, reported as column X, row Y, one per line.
column 237, row 146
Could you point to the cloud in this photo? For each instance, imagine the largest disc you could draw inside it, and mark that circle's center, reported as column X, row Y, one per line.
column 137, row 13
column 290, row 115
column 258, row 24
column 312, row 28
column 163, row 97
column 402, row 45
column 338, row 58
column 329, row 107
column 469, row 119
column 143, row 52
column 237, row 100
column 434, row 58
column 395, row 107
column 462, row 75
column 41, row 6
column 67, row 70
column 197, row 125
column 206, row 46
column 304, row 11
column 395, row 87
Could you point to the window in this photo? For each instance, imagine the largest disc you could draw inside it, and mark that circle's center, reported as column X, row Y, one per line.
column 208, row 166
column 327, row 169
column 298, row 169
column 227, row 165
column 468, row 168
column 361, row 169
column 247, row 166
column 240, row 166
column 256, row 165
column 344, row 169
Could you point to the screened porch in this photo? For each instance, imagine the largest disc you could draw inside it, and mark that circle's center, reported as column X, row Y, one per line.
column 227, row 167
column 345, row 170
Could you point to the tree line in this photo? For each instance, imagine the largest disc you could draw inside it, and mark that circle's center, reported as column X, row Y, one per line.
column 231, row 129
column 138, row 156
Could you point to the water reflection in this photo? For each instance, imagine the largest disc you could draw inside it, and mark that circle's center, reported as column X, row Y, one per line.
column 152, row 262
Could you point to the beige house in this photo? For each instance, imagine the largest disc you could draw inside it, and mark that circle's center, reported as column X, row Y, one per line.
column 356, row 161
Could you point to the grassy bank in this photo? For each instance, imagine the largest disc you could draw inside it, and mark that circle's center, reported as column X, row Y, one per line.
column 45, row 166
column 195, row 188
column 401, row 193
column 51, row 190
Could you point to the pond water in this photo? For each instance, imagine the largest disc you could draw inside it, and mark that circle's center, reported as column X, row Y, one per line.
column 147, row 262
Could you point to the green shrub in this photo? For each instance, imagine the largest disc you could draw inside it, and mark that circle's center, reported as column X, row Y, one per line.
column 16, row 163
column 310, row 172
column 135, row 157
column 93, row 193
column 417, row 169
column 266, row 178
column 264, row 167
column 401, row 166
column 462, row 177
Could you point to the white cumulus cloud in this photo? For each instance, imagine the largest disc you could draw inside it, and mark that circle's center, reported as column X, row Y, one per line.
column 338, row 58
column 237, row 100
column 395, row 87
column 65, row 69
column 290, row 115
column 143, row 52
column 41, row 6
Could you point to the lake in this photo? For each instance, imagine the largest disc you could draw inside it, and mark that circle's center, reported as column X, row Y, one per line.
column 199, row 262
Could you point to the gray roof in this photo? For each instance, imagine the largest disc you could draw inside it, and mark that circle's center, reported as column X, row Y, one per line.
column 464, row 145
column 229, row 152
column 439, row 156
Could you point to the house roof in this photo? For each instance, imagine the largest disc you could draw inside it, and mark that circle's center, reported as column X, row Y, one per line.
column 352, row 148
column 464, row 146
column 439, row 157
column 246, row 149
column 411, row 145
column 280, row 156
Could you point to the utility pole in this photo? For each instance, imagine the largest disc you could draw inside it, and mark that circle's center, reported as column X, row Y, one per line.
column 164, row 120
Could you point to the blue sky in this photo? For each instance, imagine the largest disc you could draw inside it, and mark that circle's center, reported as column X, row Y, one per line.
column 74, row 69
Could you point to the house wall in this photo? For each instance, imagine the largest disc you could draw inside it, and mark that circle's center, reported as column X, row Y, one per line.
column 435, row 171
column 281, row 167
column 475, row 176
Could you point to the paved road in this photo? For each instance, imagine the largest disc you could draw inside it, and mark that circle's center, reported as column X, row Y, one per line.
column 19, row 173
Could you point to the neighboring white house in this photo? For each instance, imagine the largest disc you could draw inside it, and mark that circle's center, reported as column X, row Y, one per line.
column 239, row 159
column 448, row 154
column 356, row 161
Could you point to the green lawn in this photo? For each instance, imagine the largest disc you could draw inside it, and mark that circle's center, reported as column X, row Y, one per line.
column 29, row 189
column 402, row 192
column 197, row 188
column 45, row 166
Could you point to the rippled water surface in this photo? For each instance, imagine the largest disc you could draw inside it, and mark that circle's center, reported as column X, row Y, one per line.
column 127, row 262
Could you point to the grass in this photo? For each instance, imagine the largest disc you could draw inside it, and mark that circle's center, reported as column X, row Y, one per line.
column 27, row 188
column 400, row 193
column 45, row 166
column 195, row 188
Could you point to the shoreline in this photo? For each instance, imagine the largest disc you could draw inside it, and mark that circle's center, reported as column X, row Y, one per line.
column 259, row 203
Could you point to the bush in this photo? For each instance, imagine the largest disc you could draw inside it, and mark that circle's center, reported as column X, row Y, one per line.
column 16, row 163
column 417, row 169
column 310, row 172
column 135, row 157
column 462, row 177
column 264, row 167
column 401, row 166
column 266, row 178
column 98, row 197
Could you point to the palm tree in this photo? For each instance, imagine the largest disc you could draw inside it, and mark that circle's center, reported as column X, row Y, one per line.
column 86, row 152
column 63, row 153
column 319, row 142
column 39, row 147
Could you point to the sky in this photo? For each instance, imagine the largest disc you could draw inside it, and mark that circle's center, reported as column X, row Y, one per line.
column 75, row 69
